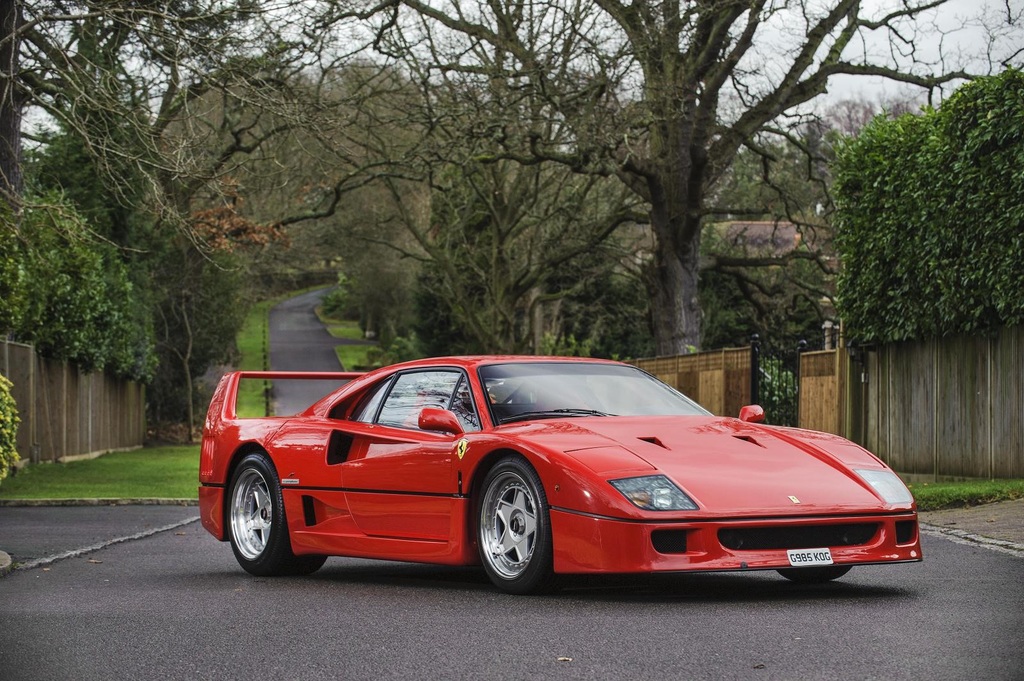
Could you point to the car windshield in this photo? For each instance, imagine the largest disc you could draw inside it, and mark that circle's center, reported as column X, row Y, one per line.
column 518, row 391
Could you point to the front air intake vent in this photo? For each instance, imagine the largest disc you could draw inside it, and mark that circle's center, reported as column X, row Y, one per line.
column 669, row 541
column 803, row 537
column 906, row 531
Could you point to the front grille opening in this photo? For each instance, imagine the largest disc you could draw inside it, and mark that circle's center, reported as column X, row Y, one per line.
column 796, row 537
column 669, row 541
column 906, row 531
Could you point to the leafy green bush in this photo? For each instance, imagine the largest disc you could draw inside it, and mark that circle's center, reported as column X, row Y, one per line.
column 8, row 428
column 76, row 301
column 930, row 222
column 338, row 303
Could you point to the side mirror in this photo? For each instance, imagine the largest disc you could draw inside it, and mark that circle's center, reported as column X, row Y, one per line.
column 442, row 420
column 752, row 413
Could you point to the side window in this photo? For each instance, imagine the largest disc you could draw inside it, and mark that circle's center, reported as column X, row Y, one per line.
column 368, row 409
column 462, row 407
column 414, row 391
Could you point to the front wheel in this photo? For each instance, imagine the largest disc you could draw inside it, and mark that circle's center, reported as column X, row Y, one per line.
column 515, row 529
column 814, row 575
column 256, row 520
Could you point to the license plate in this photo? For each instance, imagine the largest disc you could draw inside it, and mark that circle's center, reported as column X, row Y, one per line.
column 808, row 557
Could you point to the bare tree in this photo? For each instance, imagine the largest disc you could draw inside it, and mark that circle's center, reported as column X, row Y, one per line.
column 661, row 95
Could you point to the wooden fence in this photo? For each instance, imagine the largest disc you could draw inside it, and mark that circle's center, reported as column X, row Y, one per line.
column 66, row 412
column 938, row 409
column 945, row 408
column 718, row 380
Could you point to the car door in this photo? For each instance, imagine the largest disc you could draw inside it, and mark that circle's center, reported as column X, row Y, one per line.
column 399, row 481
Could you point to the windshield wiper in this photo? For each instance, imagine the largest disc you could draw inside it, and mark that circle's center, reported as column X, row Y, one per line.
column 553, row 414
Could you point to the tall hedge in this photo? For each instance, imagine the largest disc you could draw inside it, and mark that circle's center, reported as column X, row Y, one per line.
column 930, row 220
column 8, row 428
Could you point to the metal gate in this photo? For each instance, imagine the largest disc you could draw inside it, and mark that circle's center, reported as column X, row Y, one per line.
column 775, row 379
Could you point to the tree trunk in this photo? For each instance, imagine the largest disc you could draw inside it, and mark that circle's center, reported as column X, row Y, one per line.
column 10, row 105
column 674, row 305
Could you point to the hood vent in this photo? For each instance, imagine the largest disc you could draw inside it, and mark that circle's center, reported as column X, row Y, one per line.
column 653, row 441
column 747, row 438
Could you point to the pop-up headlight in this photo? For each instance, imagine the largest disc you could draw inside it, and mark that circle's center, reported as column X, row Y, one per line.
column 887, row 484
column 654, row 493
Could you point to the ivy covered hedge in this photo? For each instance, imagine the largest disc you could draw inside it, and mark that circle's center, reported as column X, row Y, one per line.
column 8, row 428
column 70, row 295
column 930, row 220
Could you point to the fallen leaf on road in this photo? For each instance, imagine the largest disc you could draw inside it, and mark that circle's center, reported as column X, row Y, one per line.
column 180, row 534
column 759, row 666
column 565, row 659
column 93, row 560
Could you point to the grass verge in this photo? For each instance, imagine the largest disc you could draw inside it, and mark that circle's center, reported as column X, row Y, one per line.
column 170, row 472
column 253, row 345
column 354, row 357
column 932, row 496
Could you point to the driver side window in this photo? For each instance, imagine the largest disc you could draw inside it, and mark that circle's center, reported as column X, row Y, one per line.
column 414, row 391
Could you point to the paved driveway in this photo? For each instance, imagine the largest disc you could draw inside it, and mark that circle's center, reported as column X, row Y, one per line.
column 299, row 342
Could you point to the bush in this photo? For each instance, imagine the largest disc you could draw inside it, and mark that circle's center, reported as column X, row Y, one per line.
column 930, row 223
column 8, row 428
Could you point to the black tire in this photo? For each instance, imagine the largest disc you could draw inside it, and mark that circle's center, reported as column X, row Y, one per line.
column 814, row 575
column 514, row 529
column 256, row 522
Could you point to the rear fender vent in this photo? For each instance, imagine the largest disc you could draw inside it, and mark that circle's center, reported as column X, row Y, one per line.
column 654, row 441
column 338, row 448
column 747, row 438
column 308, row 511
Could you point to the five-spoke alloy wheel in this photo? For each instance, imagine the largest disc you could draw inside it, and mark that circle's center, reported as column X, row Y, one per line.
column 514, row 528
column 257, row 525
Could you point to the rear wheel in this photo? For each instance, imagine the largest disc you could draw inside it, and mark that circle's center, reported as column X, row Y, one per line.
column 257, row 525
column 515, row 529
column 815, row 575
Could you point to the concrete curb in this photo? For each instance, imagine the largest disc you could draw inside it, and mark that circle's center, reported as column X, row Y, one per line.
column 40, row 562
column 971, row 539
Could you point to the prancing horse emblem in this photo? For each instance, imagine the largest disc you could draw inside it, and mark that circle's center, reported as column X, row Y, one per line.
column 461, row 448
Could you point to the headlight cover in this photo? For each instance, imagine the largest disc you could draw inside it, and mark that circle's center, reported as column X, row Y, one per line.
column 887, row 484
column 654, row 493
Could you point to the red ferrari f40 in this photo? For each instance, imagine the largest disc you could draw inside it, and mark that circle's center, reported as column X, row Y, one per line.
column 537, row 468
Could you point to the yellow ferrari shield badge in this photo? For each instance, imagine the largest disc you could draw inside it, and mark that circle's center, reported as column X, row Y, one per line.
column 461, row 448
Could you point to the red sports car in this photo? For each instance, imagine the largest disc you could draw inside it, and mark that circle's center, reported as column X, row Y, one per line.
column 540, row 467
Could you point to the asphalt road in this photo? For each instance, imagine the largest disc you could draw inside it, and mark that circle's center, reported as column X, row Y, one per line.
column 175, row 605
column 299, row 342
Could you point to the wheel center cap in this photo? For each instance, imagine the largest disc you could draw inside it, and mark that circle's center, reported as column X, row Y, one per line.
column 517, row 525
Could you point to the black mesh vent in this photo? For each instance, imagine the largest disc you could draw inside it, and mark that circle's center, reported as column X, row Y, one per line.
column 806, row 537
column 669, row 541
column 906, row 530
column 337, row 448
column 308, row 511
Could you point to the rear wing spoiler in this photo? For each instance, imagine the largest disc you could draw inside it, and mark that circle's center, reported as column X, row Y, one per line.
column 227, row 390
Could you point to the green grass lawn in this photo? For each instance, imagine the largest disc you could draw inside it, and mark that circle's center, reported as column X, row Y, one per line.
column 151, row 473
column 932, row 496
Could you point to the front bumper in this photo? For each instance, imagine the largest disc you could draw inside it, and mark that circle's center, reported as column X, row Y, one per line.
column 593, row 544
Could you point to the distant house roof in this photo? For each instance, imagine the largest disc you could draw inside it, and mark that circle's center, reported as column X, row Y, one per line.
column 764, row 236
